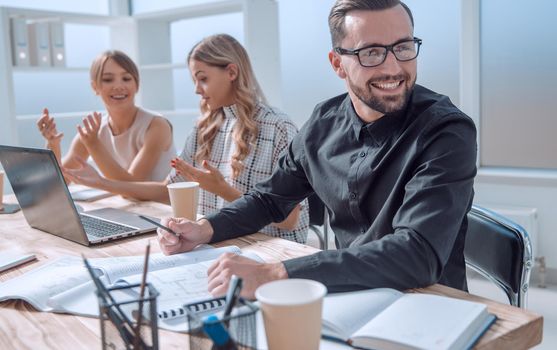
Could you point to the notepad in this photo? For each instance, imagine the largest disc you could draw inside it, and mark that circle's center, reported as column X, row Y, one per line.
column 90, row 194
column 388, row 319
column 9, row 259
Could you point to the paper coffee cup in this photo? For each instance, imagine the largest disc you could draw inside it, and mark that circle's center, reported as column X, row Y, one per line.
column 1, row 189
column 183, row 199
column 291, row 311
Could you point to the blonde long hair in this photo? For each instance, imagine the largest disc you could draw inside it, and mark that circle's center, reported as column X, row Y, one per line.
column 221, row 50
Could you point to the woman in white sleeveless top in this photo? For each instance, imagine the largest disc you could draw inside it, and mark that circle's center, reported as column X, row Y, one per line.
column 236, row 142
column 127, row 144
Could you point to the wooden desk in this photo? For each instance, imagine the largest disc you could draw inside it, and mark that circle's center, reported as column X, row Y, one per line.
column 21, row 327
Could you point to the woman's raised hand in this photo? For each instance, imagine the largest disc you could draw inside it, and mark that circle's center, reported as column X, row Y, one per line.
column 47, row 127
column 89, row 132
column 210, row 179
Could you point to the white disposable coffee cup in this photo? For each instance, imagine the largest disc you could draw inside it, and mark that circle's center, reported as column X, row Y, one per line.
column 1, row 189
column 292, row 313
column 183, row 199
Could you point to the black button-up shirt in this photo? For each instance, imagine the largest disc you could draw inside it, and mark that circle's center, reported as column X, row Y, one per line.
column 397, row 192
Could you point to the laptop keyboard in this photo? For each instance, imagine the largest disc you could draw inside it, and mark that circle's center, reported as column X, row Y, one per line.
column 101, row 228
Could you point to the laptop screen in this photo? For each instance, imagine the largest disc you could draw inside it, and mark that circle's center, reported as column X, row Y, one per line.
column 41, row 191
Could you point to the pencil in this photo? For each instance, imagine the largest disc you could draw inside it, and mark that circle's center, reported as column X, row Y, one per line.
column 137, row 339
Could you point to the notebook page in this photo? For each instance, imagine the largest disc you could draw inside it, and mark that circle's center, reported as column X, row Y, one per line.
column 423, row 321
column 115, row 268
column 81, row 299
column 177, row 286
column 345, row 313
column 38, row 285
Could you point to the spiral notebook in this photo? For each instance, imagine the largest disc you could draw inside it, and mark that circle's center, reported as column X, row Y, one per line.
column 208, row 306
column 182, row 285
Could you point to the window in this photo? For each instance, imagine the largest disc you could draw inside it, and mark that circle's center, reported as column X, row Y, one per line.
column 518, row 77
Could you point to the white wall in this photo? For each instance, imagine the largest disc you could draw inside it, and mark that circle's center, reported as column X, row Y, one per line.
column 304, row 45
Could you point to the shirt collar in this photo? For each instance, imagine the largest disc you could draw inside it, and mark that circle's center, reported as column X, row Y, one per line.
column 380, row 129
column 230, row 111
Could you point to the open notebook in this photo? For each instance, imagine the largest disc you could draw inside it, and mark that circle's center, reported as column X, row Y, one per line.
column 388, row 319
column 64, row 285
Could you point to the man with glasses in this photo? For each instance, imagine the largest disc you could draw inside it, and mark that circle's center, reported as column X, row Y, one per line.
column 393, row 162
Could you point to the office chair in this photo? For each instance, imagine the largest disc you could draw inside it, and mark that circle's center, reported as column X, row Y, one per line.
column 501, row 251
column 318, row 217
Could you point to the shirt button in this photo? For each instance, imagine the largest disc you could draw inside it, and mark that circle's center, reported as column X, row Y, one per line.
column 352, row 195
column 362, row 154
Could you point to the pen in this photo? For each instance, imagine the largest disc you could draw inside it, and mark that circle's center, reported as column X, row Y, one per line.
column 232, row 294
column 167, row 229
column 137, row 338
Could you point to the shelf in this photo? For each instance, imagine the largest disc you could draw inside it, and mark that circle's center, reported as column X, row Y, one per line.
column 193, row 11
column 68, row 17
column 162, row 66
column 36, row 69
column 188, row 112
column 66, row 115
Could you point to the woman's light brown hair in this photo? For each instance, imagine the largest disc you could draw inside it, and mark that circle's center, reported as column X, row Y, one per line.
column 219, row 51
column 120, row 58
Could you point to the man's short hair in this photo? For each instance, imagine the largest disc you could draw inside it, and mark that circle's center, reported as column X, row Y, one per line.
column 342, row 7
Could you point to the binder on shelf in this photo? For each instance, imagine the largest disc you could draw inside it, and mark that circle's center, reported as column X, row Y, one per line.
column 20, row 42
column 39, row 44
column 57, row 48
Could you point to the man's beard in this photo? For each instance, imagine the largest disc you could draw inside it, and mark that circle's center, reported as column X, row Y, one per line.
column 384, row 104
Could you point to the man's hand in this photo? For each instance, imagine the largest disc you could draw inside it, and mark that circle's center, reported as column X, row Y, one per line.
column 191, row 234
column 253, row 274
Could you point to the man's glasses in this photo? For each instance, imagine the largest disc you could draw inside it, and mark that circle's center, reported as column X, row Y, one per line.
column 374, row 55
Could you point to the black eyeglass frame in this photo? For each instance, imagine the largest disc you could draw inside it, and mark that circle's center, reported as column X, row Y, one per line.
column 387, row 48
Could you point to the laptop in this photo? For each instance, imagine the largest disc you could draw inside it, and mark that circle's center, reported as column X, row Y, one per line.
column 47, row 205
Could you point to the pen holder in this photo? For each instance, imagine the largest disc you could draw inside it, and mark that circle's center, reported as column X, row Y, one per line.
column 119, row 314
column 241, row 324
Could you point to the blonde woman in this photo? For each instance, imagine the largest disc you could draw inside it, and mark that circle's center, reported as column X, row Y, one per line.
column 236, row 142
column 129, row 143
